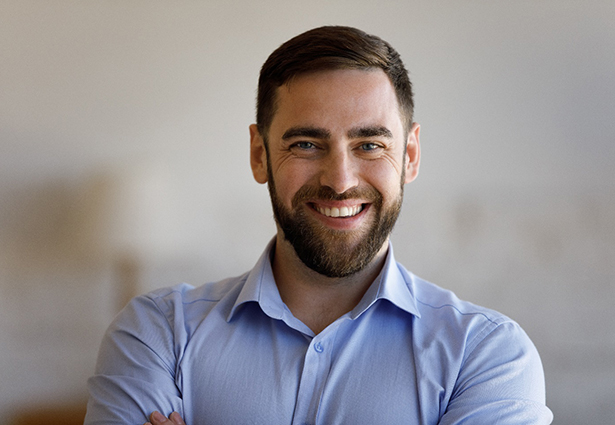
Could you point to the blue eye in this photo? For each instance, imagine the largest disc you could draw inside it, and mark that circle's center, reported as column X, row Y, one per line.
column 369, row 146
column 304, row 145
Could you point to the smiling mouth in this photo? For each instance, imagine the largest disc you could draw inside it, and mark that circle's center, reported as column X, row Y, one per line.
column 340, row 212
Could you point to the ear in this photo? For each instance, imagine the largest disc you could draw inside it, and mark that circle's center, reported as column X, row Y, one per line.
column 258, row 155
column 413, row 153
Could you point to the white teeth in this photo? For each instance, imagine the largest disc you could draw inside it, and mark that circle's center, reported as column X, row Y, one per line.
column 340, row 212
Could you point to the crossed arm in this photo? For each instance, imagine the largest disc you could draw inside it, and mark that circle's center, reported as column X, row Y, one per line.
column 507, row 388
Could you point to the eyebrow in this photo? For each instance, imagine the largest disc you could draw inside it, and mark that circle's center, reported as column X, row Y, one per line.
column 365, row 132
column 321, row 133
column 311, row 132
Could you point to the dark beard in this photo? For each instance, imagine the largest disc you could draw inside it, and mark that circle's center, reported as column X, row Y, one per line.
column 333, row 253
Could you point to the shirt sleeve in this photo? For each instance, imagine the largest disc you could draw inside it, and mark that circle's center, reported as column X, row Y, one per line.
column 136, row 367
column 501, row 382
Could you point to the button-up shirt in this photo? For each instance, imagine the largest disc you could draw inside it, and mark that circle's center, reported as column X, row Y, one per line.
column 231, row 352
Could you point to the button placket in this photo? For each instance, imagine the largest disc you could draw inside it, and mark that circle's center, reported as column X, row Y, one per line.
column 313, row 379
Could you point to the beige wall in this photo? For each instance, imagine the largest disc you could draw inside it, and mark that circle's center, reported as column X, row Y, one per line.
column 124, row 167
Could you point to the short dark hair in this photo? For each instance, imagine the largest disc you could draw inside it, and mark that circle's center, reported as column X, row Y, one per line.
column 329, row 48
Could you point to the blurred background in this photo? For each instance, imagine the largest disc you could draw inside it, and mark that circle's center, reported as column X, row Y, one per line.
column 124, row 167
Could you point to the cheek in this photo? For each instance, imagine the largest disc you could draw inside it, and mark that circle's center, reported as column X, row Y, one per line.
column 288, row 181
column 384, row 178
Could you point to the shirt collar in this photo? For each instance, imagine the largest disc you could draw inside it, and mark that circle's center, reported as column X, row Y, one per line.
column 393, row 284
column 260, row 287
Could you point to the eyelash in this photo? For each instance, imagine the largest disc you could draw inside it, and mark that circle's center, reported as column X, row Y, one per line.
column 302, row 145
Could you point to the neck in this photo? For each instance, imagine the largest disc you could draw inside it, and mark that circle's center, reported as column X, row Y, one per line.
column 313, row 298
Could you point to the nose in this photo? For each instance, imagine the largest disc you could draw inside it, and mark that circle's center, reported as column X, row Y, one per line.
column 339, row 172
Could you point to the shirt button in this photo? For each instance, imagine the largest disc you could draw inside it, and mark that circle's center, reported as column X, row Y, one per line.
column 318, row 347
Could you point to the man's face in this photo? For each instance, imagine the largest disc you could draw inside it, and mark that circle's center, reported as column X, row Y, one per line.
column 337, row 160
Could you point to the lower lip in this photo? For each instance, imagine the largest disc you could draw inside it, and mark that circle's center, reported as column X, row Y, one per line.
column 342, row 223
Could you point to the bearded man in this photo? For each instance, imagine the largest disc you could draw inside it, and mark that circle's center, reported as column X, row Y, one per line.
column 327, row 328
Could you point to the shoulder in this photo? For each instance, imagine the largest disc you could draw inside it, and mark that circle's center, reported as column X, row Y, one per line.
column 138, row 365
column 494, row 361
column 177, row 309
column 432, row 298
column 442, row 313
column 182, row 296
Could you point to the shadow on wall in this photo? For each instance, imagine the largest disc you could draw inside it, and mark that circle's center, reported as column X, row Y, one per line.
column 73, row 414
column 60, row 285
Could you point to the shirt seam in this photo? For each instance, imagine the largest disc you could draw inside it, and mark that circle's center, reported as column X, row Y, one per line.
column 473, row 313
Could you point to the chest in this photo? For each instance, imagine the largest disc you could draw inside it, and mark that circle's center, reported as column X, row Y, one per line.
column 257, row 370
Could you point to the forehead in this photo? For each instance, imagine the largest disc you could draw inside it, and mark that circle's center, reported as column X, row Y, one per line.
column 338, row 98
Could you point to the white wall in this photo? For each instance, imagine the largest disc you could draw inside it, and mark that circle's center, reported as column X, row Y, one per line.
column 123, row 138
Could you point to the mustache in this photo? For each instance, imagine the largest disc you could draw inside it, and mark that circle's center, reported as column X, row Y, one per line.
column 325, row 193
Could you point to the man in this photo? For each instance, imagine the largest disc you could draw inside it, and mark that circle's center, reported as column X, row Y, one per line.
column 327, row 328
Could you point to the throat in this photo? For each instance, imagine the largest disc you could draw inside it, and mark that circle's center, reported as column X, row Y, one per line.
column 320, row 301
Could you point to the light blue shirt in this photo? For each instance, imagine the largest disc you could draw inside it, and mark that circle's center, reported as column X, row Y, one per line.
column 231, row 352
